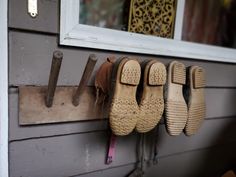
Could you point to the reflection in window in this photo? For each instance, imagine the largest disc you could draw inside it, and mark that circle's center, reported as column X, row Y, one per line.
column 153, row 17
column 104, row 13
column 210, row 22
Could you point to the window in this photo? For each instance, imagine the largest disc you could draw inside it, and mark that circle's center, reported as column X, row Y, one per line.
column 108, row 30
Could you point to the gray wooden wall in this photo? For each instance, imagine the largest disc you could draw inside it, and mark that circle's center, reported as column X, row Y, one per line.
column 79, row 148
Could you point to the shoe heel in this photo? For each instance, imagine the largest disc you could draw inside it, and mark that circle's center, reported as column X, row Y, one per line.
column 199, row 80
column 131, row 73
column 179, row 73
column 197, row 106
column 176, row 108
column 157, row 74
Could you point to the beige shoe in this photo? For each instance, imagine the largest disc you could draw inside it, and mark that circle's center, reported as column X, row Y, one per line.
column 176, row 108
column 196, row 99
column 152, row 102
column 124, row 110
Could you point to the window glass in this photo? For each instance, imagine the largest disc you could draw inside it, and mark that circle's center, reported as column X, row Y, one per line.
column 152, row 17
column 104, row 13
column 210, row 22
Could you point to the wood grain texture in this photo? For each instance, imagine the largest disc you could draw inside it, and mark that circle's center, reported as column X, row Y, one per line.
column 46, row 21
column 23, row 132
column 30, row 64
column 33, row 111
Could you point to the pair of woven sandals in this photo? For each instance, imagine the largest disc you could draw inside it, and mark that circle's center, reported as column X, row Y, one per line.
column 143, row 114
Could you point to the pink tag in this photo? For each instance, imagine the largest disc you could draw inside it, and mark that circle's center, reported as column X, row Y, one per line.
column 111, row 150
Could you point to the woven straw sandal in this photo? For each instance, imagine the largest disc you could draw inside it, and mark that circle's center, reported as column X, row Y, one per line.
column 196, row 99
column 124, row 110
column 176, row 108
column 152, row 101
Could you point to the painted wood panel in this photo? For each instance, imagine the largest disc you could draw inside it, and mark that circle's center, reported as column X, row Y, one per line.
column 83, row 153
column 220, row 104
column 202, row 163
column 79, row 148
column 31, row 53
column 79, row 154
column 46, row 21
column 111, row 172
column 67, row 155
column 209, row 162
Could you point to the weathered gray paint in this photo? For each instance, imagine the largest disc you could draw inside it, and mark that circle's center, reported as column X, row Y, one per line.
column 32, row 53
column 220, row 109
column 67, row 155
column 76, row 154
column 46, row 21
column 79, row 148
column 86, row 152
column 202, row 163
column 111, row 172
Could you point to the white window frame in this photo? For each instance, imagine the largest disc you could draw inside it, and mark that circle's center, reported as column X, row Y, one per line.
column 3, row 89
column 74, row 34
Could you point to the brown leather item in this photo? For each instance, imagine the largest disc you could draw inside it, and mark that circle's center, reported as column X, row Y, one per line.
column 103, row 80
column 229, row 174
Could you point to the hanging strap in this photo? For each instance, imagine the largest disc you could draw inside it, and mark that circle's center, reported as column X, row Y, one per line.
column 155, row 145
column 111, row 149
column 139, row 170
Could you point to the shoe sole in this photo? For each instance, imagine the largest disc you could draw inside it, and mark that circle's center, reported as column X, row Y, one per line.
column 152, row 102
column 176, row 108
column 196, row 103
column 124, row 110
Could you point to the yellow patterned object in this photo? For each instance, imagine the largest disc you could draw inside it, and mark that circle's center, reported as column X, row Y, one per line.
column 154, row 17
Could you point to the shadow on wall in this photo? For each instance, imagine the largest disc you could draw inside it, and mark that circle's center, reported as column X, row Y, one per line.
column 221, row 158
column 207, row 162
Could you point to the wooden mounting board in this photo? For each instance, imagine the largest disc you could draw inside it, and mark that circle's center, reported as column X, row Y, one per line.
column 32, row 109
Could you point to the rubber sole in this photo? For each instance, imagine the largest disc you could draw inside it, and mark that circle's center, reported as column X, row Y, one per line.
column 176, row 108
column 196, row 103
column 152, row 101
column 124, row 110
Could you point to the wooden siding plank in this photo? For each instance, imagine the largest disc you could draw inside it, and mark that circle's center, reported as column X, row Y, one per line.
column 83, row 153
column 30, row 59
column 220, row 102
column 67, row 155
column 211, row 133
column 79, row 154
column 112, row 172
column 46, row 21
column 204, row 163
column 207, row 162
column 215, row 108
